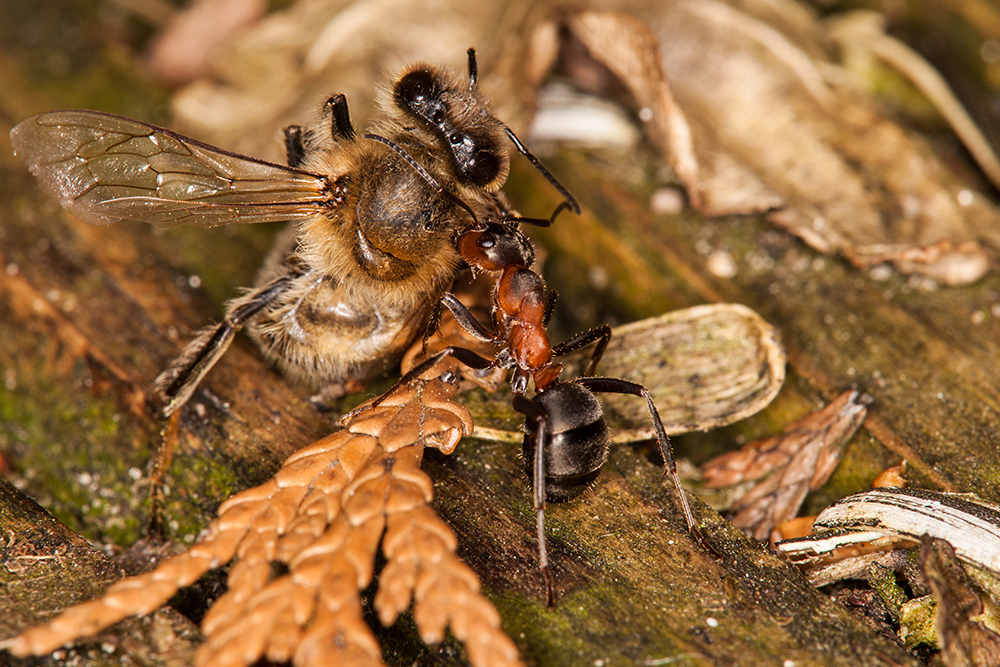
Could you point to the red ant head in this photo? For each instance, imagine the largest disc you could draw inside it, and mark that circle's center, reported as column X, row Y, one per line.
column 495, row 248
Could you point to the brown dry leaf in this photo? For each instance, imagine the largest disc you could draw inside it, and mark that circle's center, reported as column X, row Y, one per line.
column 893, row 477
column 705, row 366
column 182, row 52
column 782, row 469
column 963, row 641
column 755, row 117
column 323, row 516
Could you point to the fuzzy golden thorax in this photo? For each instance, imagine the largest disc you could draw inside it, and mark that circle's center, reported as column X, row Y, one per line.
column 390, row 236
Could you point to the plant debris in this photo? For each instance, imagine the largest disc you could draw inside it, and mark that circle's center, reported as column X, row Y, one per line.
column 775, row 474
column 323, row 516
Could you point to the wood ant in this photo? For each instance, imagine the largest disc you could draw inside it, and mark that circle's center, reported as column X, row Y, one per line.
column 566, row 439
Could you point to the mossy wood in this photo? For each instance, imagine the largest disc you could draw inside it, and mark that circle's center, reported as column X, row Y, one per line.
column 89, row 316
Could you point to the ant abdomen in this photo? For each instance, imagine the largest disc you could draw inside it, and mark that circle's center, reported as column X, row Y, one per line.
column 577, row 439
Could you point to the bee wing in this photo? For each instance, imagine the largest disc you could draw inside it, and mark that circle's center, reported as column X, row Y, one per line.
column 105, row 168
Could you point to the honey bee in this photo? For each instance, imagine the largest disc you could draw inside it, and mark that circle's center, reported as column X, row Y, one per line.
column 351, row 283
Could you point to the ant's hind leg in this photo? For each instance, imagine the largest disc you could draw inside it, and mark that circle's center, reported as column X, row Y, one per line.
column 616, row 386
column 532, row 412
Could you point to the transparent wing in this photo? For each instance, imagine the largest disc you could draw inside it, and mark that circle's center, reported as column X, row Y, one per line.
column 105, row 168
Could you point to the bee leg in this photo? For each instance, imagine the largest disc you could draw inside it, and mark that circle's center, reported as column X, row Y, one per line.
column 341, row 126
column 176, row 384
column 433, row 323
column 295, row 147
column 158, row 470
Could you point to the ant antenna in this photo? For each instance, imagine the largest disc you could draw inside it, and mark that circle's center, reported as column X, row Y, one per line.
column 424, row 174
column 541, row 222
column 473, row 68
column 523, row 150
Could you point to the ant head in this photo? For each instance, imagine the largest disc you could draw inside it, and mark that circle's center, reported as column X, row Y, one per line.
column 496, row 247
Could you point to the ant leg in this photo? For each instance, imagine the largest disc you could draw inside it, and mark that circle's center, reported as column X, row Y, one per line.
column 532, row 411
column 467, row 357
column 468, row 320
column 550, row 305
column 602, row 334
column 616, row 386
column 542, row 222
column 177, row 383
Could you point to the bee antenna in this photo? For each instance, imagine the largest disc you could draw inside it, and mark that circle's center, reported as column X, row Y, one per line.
column 523, row 150
column 473, row 69
column 424, row 174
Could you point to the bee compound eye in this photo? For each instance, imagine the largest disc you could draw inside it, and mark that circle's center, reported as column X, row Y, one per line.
column 416, row 90
column 482, row 169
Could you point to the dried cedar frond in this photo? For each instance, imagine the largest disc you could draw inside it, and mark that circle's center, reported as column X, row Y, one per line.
column 323, row 516
column 783, row 468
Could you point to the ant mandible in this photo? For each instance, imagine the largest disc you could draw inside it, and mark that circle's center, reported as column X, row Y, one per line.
column 566, row 440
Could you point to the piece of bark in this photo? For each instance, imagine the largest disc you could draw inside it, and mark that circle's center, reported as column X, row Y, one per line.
column 45, row 567
column 964, row 642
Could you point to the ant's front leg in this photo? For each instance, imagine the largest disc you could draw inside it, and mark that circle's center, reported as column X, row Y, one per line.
column 468, row 321
column 465, row 356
